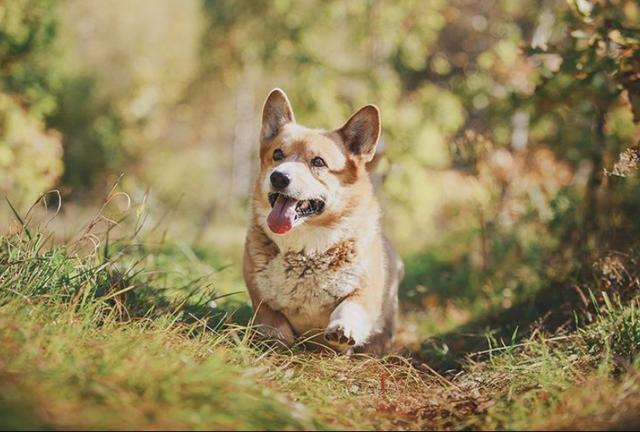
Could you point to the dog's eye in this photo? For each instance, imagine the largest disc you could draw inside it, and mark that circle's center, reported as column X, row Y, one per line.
column 278, row 155
column 318, row 162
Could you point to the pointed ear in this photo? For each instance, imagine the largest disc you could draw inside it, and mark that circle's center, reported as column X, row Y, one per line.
column 276, row 113
column 361, row 132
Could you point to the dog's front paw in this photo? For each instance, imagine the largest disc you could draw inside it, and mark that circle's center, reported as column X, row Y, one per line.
column 349, row 325
column 347, row 333
column 339, row 333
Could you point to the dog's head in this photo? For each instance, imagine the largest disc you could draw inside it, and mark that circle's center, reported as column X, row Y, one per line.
column 311, row 176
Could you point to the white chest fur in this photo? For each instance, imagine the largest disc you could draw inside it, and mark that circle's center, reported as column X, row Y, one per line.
column 307, row 287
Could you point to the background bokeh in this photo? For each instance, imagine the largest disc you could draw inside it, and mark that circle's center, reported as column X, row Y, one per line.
column 508, row 127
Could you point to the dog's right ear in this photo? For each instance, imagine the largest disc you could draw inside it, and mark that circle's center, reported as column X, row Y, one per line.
column 276, row 113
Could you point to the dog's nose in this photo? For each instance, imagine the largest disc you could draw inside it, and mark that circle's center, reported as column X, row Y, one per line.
column 279, row 180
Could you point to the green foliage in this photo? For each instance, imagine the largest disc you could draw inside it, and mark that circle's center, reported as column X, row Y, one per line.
column 616, row 331
column 545, row 209
column 36, row 95
column 27, row 70
column 30, row 155
column 92, row 134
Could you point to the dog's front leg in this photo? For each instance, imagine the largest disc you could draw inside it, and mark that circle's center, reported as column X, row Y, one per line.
column 272, row 324
column 350, row 324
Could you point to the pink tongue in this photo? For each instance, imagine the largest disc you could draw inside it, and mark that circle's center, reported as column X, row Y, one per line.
column 282, row 215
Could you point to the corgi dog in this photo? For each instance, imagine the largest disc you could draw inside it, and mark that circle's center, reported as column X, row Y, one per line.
column 316, row 263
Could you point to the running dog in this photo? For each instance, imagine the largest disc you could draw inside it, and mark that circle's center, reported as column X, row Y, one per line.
column 316, row 263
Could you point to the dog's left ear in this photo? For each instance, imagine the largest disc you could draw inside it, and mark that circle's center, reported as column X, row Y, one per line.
column 361, row 132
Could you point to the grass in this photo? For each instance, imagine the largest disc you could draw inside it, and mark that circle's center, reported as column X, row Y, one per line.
column 125, row 337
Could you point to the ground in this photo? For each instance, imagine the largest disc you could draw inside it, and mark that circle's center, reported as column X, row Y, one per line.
column 106, row 340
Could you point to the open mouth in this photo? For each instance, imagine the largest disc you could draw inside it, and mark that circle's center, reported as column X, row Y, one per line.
column 285, row 211
column 303, row 208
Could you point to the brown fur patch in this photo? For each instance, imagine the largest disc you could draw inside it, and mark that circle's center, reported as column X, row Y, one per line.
column 351, row 173
column 342, row 253
column 266, row 249
column 299, row 264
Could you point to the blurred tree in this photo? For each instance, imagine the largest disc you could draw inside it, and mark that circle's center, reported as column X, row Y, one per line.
column 92, row 134
column 499, row 117
column 27, row 68
column 435, row 68
column 30, row 155
column 121, row 104
column 459, row 88
column 592, row 97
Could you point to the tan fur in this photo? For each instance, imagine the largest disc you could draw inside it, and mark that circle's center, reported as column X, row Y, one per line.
column 334, row 274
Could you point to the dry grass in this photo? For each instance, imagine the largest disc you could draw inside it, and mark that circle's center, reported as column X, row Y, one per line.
column 125, row 338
